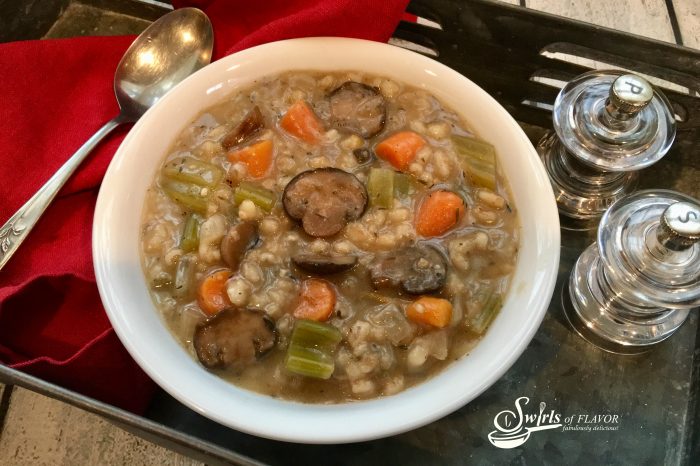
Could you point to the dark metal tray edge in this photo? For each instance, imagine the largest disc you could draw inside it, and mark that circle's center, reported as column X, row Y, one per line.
column 214, row 454
column 141, row 426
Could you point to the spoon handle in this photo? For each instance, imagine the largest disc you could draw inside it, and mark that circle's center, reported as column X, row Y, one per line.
column 17, row 228
column 550, row 426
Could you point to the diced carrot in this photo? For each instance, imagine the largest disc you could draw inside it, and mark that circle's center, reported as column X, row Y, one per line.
column 211, row 295
column 400, row 149
column 430, row 311
column 256, row 157
column 316, row 300
column 300, row 121
column 439, row 212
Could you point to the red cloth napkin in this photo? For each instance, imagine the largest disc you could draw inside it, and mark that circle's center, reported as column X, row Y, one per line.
column 242, row 24
column 56, row 94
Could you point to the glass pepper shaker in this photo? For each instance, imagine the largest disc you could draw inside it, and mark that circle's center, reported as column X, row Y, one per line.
column 635, row 286
column 607, row 126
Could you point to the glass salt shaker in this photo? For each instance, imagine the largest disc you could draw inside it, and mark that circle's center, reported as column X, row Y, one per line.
column 607, row 126
column 635, row 286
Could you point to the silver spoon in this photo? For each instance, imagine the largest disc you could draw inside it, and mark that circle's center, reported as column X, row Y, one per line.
column 175, row 46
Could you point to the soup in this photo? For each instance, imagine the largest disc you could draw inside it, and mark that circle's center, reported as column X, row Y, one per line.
column 326, row 237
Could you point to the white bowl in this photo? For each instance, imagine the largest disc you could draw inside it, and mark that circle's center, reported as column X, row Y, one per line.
column 143, row 333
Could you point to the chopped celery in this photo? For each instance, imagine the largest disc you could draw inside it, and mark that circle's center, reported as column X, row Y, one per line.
column 475, row 149
column 184, row 276
column 311, row 348
column 402, row 184
column 481, row 175
column 261, row 197
column 311, row 334
column 191, row 170
column 489, row 310
column 190, row 234
column 309, row 362
column 190, row 196
column 479, row 160
column 380, row 187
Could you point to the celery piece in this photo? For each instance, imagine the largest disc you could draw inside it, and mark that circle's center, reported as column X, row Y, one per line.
column 402, row 184
column 309, row 362
column 481, row 173
column 492, row 304
column 191, row 170
column 475, row 149
column 261, row 197
column 380, row 187
column 189, row 241
column 191, row 196
column 311, row 348
column 184, row 276
column 478, row 159
column 312, row 334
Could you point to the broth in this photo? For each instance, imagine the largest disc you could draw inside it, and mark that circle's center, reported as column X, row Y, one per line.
column 346, row 205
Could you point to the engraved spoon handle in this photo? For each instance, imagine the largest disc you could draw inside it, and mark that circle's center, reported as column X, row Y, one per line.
column 17, row 228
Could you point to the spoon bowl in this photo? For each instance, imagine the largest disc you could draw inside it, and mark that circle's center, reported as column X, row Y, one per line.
column 517, row 438
column 507, row 441
column 173, row 47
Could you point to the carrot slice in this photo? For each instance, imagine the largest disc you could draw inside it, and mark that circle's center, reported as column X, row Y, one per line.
column 439, row 212
column 257, row 158
column 427, row 310
column 211, row 295
column 400, row 149
column 316, row 300
column 300, row 121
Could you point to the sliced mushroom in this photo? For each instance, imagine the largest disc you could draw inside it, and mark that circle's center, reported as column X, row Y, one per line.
column 239, row 238
column 324, row 200
column 357, row 108
column 234, row 339
column 324, row 265
column 251, row 124
column 415, row 269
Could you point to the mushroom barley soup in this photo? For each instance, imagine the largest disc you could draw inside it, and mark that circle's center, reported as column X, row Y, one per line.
column 328, row 237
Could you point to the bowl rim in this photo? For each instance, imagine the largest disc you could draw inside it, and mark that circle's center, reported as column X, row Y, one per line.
column 339, row 422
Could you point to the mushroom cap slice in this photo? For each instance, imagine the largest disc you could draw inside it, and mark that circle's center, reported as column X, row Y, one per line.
column 234, row 339
column 324, row 200
column 416, row 269
column 318, row 264
column 238, row 239
column 246, row 129
column 357, row 108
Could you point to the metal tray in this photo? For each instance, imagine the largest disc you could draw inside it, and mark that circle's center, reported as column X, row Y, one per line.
column 650, row 399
